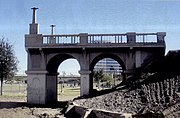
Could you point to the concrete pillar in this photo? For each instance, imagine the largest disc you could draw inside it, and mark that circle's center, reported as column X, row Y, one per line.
column 36, row 87
column 131, row 37
column 160, row 37
column 83, row 38
column 85, row 87
column 33, row 26
column 51, row 88
column 33, row 29
column 138, row 59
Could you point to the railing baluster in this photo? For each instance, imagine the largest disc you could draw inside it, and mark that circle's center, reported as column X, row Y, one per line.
column 90, row 39
column 143, row 39
column 74, row 39
column 121, row 39
column 101, row 39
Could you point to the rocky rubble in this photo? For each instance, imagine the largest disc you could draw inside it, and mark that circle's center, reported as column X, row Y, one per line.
column 157, row 96
column 154, row 88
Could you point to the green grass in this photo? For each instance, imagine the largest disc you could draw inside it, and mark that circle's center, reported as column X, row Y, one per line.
column 14, row 87
column 16, row 90
column 69, row 91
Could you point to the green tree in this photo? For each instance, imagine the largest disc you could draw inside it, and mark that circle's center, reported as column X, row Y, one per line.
column 8, row 62
column 108, row 79
column 98, row 76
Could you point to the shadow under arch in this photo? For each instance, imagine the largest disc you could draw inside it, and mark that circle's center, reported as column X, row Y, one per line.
column 55, row 61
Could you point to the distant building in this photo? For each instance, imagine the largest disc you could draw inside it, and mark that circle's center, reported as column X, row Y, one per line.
column 108, row 66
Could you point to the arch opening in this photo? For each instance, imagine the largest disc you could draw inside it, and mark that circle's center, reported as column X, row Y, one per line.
column 107, row 71
column 67, row 82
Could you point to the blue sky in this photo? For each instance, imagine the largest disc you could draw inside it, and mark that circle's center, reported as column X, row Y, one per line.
column 91, row 16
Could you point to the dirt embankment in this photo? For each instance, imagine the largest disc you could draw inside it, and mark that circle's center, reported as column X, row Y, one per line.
column 155, row 97
column 154, row 88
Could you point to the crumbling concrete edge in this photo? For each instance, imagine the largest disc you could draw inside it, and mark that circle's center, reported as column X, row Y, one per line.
column 85, row 112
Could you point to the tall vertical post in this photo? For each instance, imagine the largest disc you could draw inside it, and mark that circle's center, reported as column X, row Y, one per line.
column 34, row 15
column 34, row 25
column 131, row 37
column 160, row 37
column 52, row 29
column 52, row 38
column 83, row 38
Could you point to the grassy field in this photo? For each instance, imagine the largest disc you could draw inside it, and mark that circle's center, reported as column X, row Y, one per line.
column 68, row 93
column 19, row 90
column 64, row 93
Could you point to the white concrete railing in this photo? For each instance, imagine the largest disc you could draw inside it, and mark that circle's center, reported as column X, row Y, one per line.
column 107, row 38
column 61, row 39
column 85, row 38
column 146, row 38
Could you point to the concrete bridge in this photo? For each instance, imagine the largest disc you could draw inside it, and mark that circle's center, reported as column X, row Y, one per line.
column 47, row 52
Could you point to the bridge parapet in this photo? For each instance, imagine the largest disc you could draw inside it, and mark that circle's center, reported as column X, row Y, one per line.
column 93, row 39
column 85, row 38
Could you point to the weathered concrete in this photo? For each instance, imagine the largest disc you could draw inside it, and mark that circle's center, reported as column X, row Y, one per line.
column 85, row 82
column 82, row 112
column 47, row 52
column 36, row 88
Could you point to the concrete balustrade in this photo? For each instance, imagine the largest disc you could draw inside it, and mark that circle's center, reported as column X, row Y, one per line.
column 88, row 39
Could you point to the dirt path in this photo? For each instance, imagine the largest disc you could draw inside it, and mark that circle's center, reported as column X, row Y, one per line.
column 16, row 107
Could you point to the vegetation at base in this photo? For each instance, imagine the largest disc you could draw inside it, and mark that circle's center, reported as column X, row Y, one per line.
column 105, row 79
column 8, row 61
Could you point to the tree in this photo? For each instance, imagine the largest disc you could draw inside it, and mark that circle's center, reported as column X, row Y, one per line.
column 8, row 62
column 108, row 79
column 98, row 76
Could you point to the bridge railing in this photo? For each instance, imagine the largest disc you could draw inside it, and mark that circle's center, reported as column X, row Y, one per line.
column 146, row 38
column 61, row 39
column 106, row 38
column 85, row 38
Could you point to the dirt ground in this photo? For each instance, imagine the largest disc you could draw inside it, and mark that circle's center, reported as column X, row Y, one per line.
column 16, row 107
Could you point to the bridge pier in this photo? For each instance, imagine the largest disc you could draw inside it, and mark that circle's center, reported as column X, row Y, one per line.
column 36, row 87
column 51, row 87
column 86, row 83
column 41, row 87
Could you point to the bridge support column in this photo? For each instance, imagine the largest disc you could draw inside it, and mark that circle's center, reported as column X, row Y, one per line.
column 51, row 87
column 86, row 86
column 36, row 87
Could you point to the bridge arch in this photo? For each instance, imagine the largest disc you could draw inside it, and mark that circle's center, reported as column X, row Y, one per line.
column 106, row 55
column 56, row 60
column 53, row 62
